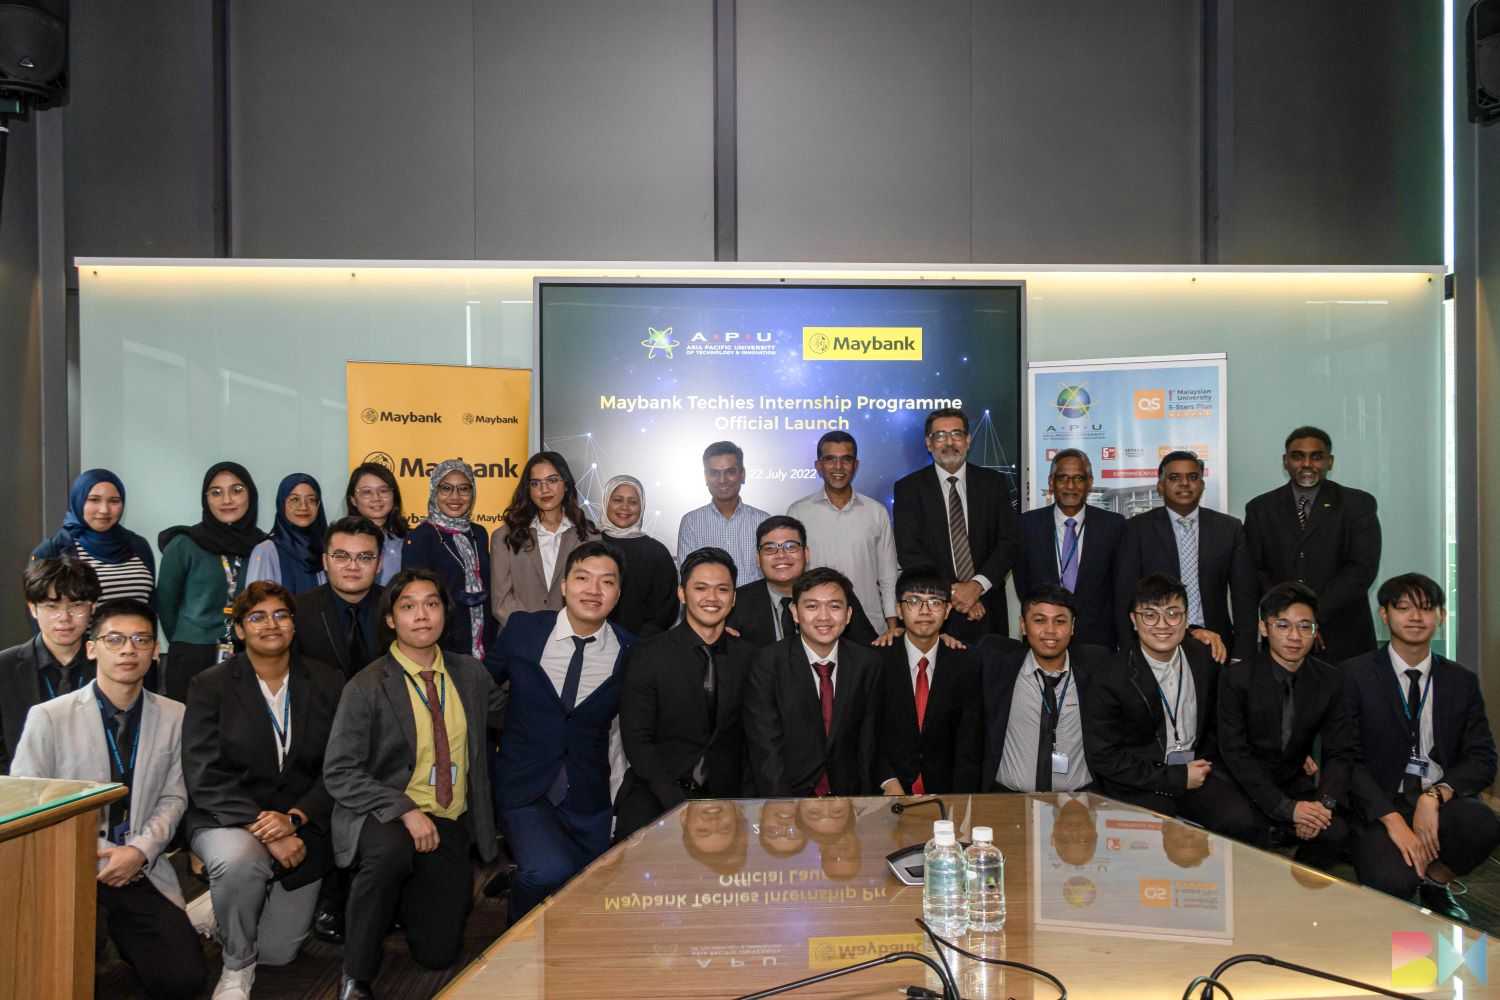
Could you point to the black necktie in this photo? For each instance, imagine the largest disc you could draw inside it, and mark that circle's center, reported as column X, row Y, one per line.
column 1288, row 708
column 54, row 682
column 788, row 626
column 575, row 673
column 358, row 657
column 119, row 810
column 1047, row 732
column 1414, row 708
column 710, row 686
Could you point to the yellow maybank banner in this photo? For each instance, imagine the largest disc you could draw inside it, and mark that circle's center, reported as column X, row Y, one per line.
column 409, row 418
column 862, row 343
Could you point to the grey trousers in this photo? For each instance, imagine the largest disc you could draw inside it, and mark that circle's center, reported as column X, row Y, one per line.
column 259, row 921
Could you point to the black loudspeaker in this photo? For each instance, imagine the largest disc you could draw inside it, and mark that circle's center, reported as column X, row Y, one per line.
column 33, row 59
column 1482, row 33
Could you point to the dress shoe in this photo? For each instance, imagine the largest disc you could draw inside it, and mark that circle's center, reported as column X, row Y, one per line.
column 499, row 883
column 1439, row 899
column 328, row 926
column 354, row 989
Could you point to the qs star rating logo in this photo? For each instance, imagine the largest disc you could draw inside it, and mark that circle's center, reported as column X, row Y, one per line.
column 659, row 340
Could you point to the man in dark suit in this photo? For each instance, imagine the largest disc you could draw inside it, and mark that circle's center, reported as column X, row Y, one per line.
column 1272, row 709
column 1327, row 536
column 565, row 669
column 930, row 725
column 1173, row 540
column 1149, row 719
column 680, row 706
column 762, row 612
column 958, row 516
column 1426, row 752
column 408, row 769
column 812, row 701
column 1072, row 544
column 1033, row 697
column 60, row 595
column 339, row 622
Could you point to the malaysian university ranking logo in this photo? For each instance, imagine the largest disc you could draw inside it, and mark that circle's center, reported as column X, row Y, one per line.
column 1412, row 963
column 659, row 340
column 1073, row 401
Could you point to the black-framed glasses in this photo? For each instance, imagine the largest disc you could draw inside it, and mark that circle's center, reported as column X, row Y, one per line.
column 914, row 603
column 1155, row 616
column 791, row 546
column 117, row 640
column 340, row 557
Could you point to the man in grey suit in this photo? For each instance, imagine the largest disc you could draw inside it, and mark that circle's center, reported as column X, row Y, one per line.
column 408, row 829
column 114, row 730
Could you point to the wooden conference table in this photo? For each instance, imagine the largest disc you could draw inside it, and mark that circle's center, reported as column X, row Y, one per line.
column 720, row 899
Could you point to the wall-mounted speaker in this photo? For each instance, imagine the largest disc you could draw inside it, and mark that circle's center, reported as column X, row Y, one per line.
column 33, row 59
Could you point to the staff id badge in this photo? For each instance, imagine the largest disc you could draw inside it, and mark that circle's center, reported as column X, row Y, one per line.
column 120, row 833
column 432, row 775
column 1059, row 762
column 1416, row 765
column 225, row 652
column 1179, row 755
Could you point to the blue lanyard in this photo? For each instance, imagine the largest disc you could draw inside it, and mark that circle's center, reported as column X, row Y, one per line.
column 1062, row 567
column 442, row 692
column 114, row 748
column 284, row 729
column 51, row 691
column 1171, row 711
column 1406, row 709
column 1062, row 692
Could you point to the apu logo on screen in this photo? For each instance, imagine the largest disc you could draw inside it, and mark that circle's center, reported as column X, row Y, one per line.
column 1073, row 401
column 659, row 340
column 1412, row 964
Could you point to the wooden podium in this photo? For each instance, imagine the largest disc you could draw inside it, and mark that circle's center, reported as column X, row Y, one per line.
column 48, row 857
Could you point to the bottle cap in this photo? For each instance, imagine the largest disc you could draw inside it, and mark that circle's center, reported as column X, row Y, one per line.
column 944, row 838
column 983, row 835
column 939, row 825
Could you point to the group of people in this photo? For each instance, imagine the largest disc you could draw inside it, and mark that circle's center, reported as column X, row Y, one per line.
column 351, row 711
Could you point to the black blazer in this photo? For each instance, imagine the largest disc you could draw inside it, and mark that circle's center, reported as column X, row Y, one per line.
column 784, row 722
column 945, row 751
column 20, row 688
column 664, row 717
column 1338, row 556
column 1124, row 724
column 427, row 548
column 1226, row 573
column 1250, row 696
column 754, row 617
column 1094, row 594
column 920, row 523
column 1000, row 667
column 229, row 755
column 1462, row 744
column 320, row 629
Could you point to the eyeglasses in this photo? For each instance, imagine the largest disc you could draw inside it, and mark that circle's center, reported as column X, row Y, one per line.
column 280, row 616
column 924, row 603
column 790, row 547
column 455, row 489
column 1153, row 616
column 537, row 484
column 375, row 493
column 219, row 493
column 1062, row 480
column 941, row 437
column 297, row 501
column 117, row 640
column 75, row 609
column 1282, row 627
column 340, row 557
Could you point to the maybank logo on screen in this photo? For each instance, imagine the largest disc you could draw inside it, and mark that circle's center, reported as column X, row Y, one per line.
column 1412, row 963
column 862, row 343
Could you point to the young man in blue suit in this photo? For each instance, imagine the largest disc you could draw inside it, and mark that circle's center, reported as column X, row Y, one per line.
column 565, row 670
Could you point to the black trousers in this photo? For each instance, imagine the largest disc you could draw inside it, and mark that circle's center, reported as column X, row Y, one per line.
column 431, row 892
column 155, row 937
column 186, row 660
column 1217, row 804
column 1467, row 833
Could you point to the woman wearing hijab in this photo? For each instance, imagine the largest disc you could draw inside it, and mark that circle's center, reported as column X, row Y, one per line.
column 293, row 555
column 372, row 492
column 202, row 571
column 91, row 531
column 648, row 592
column 452, row 546
column 543, row 523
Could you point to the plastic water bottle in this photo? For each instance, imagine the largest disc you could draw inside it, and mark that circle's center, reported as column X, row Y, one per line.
column 943, row 881
column 984, row 882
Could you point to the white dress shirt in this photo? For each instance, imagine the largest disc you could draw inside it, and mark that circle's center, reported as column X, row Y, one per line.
column 598, row 657
column 776, row 600
column 962, row 486
column 1167, row 673
column 1018, row 757
column 832, row 657
column 1424, row 732
column 547, row 545
column 276, row 703
column 856, row 540
column 913, row 654
column 1060, row 537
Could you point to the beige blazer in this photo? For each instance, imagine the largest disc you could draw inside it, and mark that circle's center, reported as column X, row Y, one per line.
column 516, row 582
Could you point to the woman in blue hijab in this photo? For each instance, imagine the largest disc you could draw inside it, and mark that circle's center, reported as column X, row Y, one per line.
column 91, row 531
column 293, row 555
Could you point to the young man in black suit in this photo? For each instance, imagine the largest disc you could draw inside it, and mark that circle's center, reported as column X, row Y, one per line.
column 812, row 701
column 930, row 728
column 339, row 622
column 1173, row 539
column 1327, row 536
column 1272, row 709
column 958, row 516
column 1033, row 697
column 762, row 612
column 1149, row 719
column 60, row 595
column 1426, row 752
column 680, row 704
column 1071, row 544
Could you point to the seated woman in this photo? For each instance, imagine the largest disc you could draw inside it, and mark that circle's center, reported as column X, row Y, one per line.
column 648, row 594
column 543, row 523
column 91, row 531
column 259, row 817
column 453, row 547
column 203, row 571
column 374, row 493
column 293, row 555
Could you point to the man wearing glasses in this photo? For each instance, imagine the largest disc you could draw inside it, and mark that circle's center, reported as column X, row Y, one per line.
column 114, row 730
column 1149, row 720
column 339, row 622
column 852, row 532
column 725, row 522
column 1272, row 709
column 958, row 516
column 762, row 612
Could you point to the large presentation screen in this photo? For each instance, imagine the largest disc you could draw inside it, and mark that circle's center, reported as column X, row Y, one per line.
column 640, row 378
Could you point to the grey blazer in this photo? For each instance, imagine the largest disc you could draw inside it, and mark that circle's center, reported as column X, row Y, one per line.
column 516, row 582
column 373, row 749
column 64, row 738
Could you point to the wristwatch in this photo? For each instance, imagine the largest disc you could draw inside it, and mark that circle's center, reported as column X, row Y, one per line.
column 1433, row 791
column 296, row 820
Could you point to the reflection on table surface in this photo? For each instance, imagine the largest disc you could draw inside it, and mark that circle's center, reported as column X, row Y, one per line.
column 722, row 898
column 22, row 797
